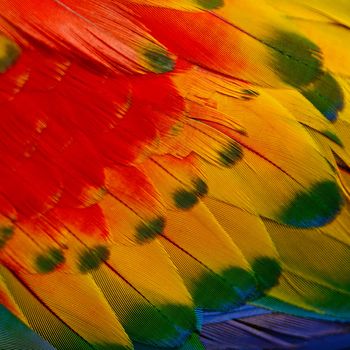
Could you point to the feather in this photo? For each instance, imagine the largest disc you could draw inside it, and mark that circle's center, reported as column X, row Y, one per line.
column 198, row 265
column 11, row 328
column 275, row 331
column 156, row 294
column 99, row 33
column 54, row 319
column 167, row 170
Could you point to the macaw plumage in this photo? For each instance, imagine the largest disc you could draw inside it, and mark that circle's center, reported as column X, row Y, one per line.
column 174, row 173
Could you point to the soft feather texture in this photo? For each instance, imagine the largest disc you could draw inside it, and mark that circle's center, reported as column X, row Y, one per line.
column 275, row 331
column 161, row 158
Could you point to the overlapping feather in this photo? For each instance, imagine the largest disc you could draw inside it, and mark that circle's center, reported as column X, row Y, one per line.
column 163, row 157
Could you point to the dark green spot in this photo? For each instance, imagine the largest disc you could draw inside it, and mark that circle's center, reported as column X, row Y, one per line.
column 200, row 187
column 159, row 323
column 297, row 60
column 165, row 325
column 159, row 61
column 230, row 154
column 211, row 292
column 92, row 258
column 244, row 282
column 221, row 292
column 9, row 53
column 185, row 199
column 210, row 4
column 326, row 95
column 315, row 207
column 149, row 230
column 267, row 272
column 333, row 137
column 49, row 261
column 6, row 233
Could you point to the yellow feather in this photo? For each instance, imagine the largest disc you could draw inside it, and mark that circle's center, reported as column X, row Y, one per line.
column 67, row 303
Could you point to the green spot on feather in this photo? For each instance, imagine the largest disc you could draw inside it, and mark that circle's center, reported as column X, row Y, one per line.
column 200, row 187
column 6, row 233
column 9, row 53
column 159, row 61
column 48, row 262
column 326, row 95
column 151, row 229
column 296, row 59
column 230, row 154
column 267, row 272
column 187, row 199
column 222, row 292
column 211, row 293
column 210, row 4
column 165, row 325
column 92, row 258
column 184, row 199
column 315, row 207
